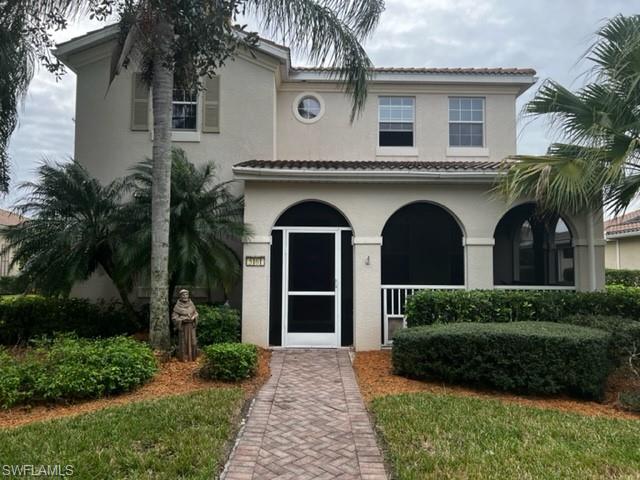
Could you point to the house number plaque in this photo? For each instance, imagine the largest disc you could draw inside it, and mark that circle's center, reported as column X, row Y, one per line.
column 254, row 261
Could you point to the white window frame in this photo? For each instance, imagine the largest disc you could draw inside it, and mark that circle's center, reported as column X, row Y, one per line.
column 413, row 123
column 297, row 101
column 196, row 103
column 476, row 122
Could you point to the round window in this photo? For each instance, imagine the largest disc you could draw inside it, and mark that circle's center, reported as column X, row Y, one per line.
column 309, row 107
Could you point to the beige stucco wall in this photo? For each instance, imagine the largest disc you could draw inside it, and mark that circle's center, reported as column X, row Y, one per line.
column 333, row 137
column 623, row 253
column 106, row 145
column 367, row 206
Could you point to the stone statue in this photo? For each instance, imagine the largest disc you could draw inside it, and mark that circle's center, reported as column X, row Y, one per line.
column 185, row 319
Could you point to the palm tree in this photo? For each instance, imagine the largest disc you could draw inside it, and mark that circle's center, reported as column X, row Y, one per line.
column 597, row 163
column 16, row 71
column 205, row 218
column 71, row 230
column 181, row 41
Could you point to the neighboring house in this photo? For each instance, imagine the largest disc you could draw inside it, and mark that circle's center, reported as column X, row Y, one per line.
column 348, row 218
column 7, row 218
column 622, row 235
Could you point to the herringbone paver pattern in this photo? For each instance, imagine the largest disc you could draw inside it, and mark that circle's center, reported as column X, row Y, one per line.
column 308, row 422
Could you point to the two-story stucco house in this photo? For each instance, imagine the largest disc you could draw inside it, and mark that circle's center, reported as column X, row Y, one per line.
column 348, row 218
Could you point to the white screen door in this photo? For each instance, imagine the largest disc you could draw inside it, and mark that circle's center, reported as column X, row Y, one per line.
column 311, row 287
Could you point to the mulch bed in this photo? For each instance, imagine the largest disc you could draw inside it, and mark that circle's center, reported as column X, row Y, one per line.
column 173, row 378
column 373, row 370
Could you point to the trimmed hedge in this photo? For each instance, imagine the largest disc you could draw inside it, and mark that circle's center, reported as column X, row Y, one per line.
column 230, row 361
column 625, row 333
column 70, row 368
column 626, row 278
column 23, row 317
column 220, row 324
column 13, row 285
column 525, row 357
column 449, row 306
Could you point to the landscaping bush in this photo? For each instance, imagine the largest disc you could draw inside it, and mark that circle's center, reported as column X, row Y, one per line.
column 219, row 324
column 627, row 278
column 527, row 357
column 70, row 368
column 14, row 285
column 448, row 306
column 29, row 316
column 630, row 400
column 625, row 333
column 230, row 361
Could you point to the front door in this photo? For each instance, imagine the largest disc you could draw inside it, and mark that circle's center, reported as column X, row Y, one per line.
column 311, row 289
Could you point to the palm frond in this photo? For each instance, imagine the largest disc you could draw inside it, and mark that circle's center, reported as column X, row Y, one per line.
column 329, row 33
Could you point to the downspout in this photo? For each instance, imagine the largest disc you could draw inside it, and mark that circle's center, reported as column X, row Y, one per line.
column 592, row 252
column 618, row 254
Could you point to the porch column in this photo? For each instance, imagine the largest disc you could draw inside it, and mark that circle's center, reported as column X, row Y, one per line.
column 367, row 263
column 478, row 253
column 255, row 291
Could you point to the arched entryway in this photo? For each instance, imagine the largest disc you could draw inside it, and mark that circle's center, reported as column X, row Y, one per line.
column 311, row 297
column 421, row 248
column 532, row 249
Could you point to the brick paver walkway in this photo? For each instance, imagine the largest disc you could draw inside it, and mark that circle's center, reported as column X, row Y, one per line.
column 308, row 422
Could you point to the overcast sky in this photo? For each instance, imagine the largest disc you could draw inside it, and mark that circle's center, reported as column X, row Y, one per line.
column 547, row 35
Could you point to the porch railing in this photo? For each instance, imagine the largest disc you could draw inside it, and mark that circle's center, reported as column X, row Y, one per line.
column 394, row 300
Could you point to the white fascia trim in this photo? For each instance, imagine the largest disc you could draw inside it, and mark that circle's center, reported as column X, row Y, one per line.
column 525, row 81
column 622, row 235
column 380, row 176
column 86, row 41
column 258, row 240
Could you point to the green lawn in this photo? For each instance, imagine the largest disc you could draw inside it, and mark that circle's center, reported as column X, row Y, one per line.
column 181, row 437
column 441, row 436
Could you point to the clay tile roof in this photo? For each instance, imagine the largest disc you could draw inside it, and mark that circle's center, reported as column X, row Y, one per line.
column 627, row 223
column 436, row 70
column 10, row 218
column 390, row 165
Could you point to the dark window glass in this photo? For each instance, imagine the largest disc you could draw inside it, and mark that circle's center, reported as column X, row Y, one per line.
column 422, row 245
column 531, row 249
column 311, row 262
column 396, row 117
column 312, row 314
column 185, row 108
column 275, row 290
column 312, row 214
column 466, row 122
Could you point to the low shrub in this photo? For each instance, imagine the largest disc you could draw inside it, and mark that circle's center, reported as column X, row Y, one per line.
column 526, row 357
column 625, row 333
column 23, row 317
column 13, row 285
column 630, row 400
column 627, row 278
column 448, row 306
column 220, row 324
column 230, row 361
column 70, row 368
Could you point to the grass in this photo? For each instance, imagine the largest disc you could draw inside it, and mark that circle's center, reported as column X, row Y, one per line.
column 442, row 437
column 179, row 437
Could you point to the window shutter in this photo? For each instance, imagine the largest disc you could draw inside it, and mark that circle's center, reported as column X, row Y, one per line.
column 211, row 105
column 139, row 104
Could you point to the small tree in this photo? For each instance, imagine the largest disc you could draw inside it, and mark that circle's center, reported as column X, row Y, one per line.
column 72, row 230
column 205, row 219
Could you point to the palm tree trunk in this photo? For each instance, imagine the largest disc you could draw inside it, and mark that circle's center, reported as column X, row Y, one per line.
column 162, row 95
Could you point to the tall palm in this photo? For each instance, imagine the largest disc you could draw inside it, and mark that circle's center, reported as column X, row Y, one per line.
column 205, row 218
column 16, row 71
column 598, row 161
column 181, row 41
column 71, row 230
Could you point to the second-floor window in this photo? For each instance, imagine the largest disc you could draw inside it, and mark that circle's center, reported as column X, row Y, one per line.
column 466, row 122
column 396, row 119
column 185, row 109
